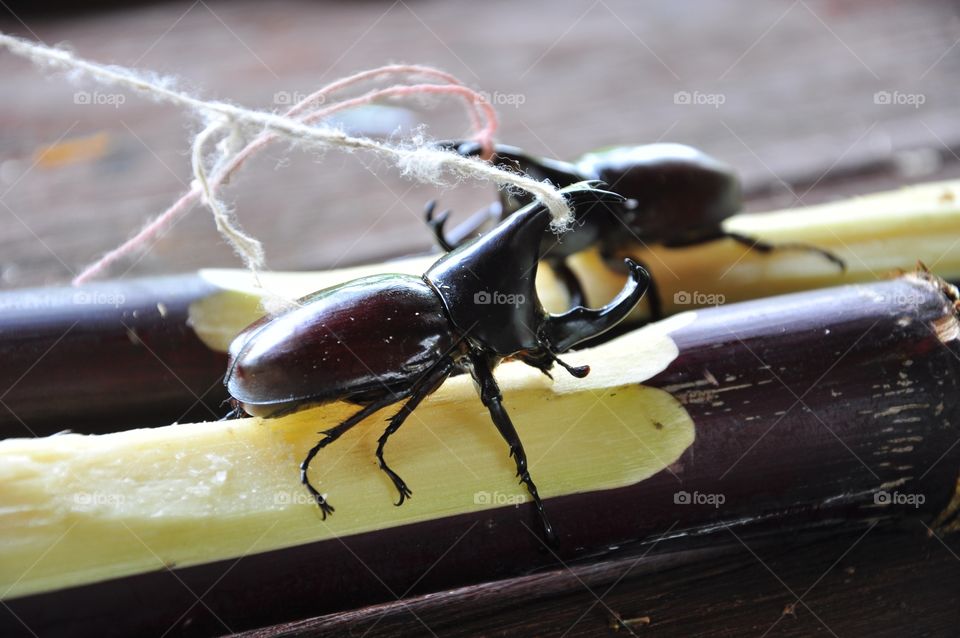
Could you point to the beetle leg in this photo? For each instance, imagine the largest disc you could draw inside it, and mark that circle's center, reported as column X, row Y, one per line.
column 493, row 400
column 465, row 231
column 766, row 247
column 236, row 412
column 436, row 225
column 570, row 281
column 424, row 387
column 332, row 435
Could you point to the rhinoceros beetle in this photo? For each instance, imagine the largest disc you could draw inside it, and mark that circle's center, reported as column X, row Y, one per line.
column 675, row 196
column 379, row 340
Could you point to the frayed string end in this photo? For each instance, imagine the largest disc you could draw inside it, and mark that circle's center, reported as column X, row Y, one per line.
column 230, row 126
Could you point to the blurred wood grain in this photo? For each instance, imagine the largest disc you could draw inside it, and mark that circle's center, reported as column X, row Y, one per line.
column 797, row 81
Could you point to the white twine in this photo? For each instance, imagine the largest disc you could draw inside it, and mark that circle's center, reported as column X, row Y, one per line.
column 420, row 162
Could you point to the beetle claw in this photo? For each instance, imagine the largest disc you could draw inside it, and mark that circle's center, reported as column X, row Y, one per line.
column 405, row 493
column 398, row 483
column 325, row 507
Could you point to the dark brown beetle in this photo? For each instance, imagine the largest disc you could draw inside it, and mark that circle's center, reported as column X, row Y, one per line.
column 676, row 196
column 383, row 339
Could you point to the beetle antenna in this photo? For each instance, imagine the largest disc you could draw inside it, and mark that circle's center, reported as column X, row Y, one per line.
column 577, row 371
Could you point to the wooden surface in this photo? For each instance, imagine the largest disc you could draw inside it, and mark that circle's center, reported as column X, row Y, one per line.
column 799, row 120
column 812, row 585
column 797, row 78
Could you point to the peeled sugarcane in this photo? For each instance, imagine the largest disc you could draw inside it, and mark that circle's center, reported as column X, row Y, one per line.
column 875, row 235
column 831, row 407
column 165, row 338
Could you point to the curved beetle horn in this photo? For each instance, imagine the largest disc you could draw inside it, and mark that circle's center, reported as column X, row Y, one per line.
column 585, row 193
column 564, row 331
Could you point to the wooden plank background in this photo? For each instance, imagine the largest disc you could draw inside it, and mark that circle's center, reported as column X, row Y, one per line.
column 800, row 119
column 797, row 80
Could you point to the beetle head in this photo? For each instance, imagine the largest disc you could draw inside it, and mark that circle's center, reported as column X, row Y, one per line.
column 488, row 285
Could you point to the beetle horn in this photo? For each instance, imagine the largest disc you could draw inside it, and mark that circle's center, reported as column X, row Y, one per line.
column 590, row 192
column 564, row 331
column 503, row 262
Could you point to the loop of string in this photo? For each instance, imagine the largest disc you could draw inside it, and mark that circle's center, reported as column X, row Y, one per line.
column 230, row 126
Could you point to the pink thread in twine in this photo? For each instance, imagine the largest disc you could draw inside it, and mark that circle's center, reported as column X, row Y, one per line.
column 482, row 116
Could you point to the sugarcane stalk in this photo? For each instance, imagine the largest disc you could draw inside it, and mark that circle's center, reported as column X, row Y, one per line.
column 152, row 350
column 876, row 236
column 829, row 407
column 884, row 581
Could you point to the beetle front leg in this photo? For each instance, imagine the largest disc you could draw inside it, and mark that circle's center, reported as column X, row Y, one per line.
column 236, row 412
column 462, row 233
column 436, row 225
column 491, row 397
column 766, row 247
column 332, row 435
column 423, row 388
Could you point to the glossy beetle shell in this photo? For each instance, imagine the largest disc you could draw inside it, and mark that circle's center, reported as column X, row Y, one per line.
column 380, row 340
column 370, row 335
column 681, row 194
